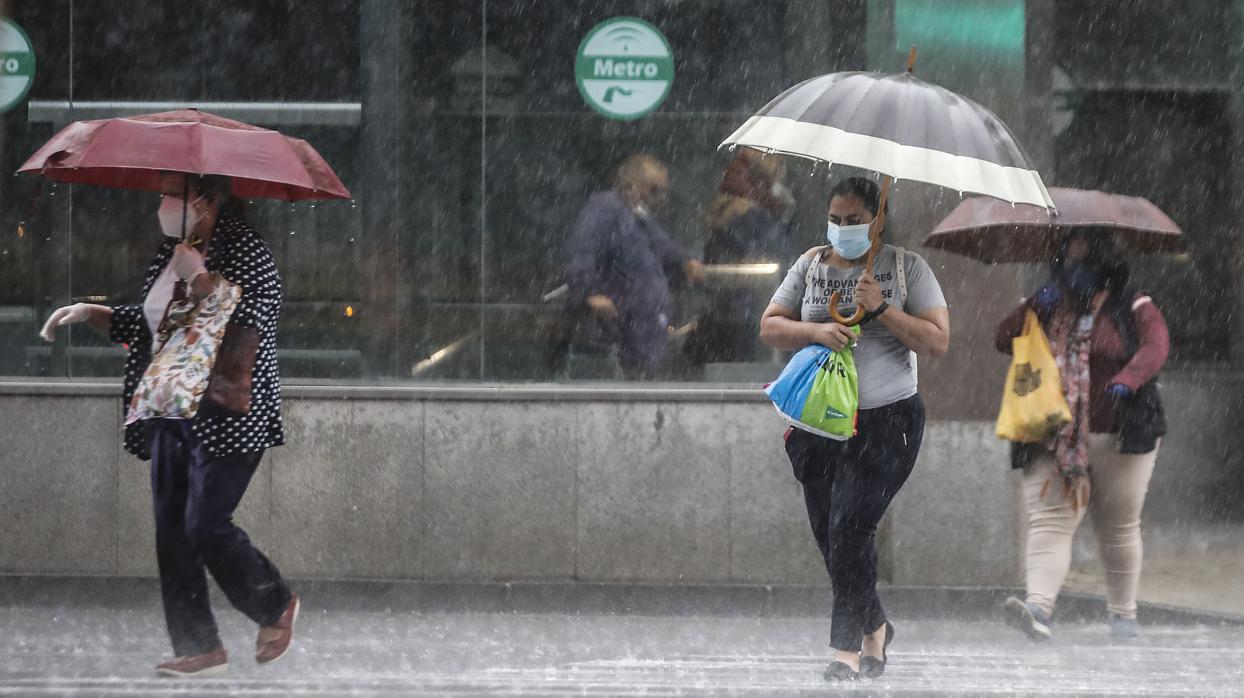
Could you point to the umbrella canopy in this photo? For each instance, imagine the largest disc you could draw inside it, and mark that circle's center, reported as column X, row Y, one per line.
column 993, row 232
column 897, row 125
column 130, row 152
column 902, row 127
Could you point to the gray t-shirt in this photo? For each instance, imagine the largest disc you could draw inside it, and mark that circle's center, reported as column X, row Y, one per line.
column 886, row 367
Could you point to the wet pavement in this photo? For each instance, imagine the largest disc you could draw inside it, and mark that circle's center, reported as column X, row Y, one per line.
column 110, row 648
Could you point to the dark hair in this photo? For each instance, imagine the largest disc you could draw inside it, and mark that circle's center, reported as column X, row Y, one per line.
column 1103, row 256
column 219, row 188
column 863, row 188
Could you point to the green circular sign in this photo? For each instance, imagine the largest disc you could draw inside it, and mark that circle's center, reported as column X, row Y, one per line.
column 624, row 68
column 17, row 65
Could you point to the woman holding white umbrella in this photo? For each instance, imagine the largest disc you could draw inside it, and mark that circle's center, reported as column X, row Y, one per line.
column 849, row 484
column 901, row 127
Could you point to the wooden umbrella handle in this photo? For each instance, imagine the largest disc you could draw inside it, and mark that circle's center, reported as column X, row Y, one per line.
column 874, row 234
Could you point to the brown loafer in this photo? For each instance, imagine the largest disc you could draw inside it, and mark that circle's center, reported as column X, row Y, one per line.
column 199, row 666
column 267, row 651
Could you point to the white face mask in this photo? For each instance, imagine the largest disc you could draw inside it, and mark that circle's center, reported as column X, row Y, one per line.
column 170, row 214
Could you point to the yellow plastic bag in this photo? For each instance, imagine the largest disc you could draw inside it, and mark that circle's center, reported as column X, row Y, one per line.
column 1033, row 404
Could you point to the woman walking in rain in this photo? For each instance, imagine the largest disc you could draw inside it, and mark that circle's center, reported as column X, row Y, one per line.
column 200, row 467
column 849, row 484
column 1109, row 342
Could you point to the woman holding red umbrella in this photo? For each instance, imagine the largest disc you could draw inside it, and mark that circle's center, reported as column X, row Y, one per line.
column 201, row 467
column 1109, row 342
column 200, row 464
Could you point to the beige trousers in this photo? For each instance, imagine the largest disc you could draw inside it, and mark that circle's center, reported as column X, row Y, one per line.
column 1117, row 484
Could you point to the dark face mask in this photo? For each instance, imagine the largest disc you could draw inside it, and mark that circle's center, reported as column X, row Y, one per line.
column 1081, row 280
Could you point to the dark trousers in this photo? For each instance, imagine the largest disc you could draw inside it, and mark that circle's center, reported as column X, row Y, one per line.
column 195, row 496
column 847, row 486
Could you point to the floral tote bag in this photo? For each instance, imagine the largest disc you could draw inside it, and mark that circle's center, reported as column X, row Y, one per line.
column 190, row 339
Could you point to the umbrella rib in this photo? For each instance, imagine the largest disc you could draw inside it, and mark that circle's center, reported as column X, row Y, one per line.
column 855, row 109
column 289, row 148
column 812, row 102
column 94, row 140
column 196, row 141
column 904, row 117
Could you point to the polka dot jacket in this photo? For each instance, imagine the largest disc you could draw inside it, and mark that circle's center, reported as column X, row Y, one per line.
column 240, row 255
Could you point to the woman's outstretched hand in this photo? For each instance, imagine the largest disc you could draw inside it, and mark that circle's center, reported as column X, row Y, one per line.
column 68, row 315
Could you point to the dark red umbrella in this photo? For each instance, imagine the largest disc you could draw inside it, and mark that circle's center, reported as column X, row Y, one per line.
column 994, row 231
column 130, row 152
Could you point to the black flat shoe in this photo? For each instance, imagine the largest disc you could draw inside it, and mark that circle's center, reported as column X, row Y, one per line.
column 871, row 667
column 841, row 671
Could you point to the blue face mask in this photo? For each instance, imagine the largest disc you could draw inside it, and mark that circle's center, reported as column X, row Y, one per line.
column 851, row 241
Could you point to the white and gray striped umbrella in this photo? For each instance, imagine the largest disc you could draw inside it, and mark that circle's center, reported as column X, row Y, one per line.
column 900, row 126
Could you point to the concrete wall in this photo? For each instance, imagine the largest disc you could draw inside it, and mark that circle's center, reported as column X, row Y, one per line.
column 555, row 483
column 500, row 483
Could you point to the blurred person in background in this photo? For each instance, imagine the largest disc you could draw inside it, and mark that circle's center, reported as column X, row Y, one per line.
column 747, row 223
column 621, row 260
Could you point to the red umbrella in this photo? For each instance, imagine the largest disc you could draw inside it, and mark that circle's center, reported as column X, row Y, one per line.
column 130, row 152
column 993, row 231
